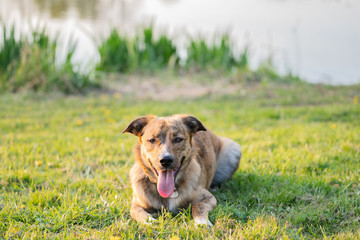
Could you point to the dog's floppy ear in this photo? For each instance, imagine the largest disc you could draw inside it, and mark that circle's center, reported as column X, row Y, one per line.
column 137, row 125
column 192, row 123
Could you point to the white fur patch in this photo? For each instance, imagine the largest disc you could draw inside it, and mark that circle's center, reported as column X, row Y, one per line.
column 203, row 221
column 166, row 151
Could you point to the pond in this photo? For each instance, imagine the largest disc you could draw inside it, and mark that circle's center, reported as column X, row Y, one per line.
column 316, row 39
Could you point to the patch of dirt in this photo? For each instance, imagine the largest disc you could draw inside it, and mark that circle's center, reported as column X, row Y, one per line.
column 167, row 90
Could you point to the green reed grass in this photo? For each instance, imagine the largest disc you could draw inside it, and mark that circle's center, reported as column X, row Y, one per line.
column 115, row 52
column 9, row 54
column 155, row 52
column 29, row 64
column 143, row 52
column 146, row 52
column 204, row 55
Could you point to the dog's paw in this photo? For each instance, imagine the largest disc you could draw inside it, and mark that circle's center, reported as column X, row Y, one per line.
column 149, row 220
column 203, row 222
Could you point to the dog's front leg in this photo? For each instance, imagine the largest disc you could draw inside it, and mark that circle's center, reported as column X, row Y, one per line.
column 203, row 203
column 140, row 214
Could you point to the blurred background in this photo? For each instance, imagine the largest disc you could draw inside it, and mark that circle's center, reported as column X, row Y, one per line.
column 316, row 40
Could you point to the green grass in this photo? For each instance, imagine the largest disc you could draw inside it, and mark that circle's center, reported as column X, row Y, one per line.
column 64, row 165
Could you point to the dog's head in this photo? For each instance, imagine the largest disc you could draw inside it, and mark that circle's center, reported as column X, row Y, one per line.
column 165, row 144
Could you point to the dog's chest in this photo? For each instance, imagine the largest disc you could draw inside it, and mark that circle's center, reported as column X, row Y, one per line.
column 172, row 205
column 173, row 202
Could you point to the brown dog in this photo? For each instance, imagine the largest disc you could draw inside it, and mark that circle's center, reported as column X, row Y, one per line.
column 178, row 159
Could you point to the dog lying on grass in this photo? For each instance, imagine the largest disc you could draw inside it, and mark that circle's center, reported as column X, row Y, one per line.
column 177, row 161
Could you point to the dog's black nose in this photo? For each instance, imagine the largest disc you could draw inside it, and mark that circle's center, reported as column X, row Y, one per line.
column 166, row 161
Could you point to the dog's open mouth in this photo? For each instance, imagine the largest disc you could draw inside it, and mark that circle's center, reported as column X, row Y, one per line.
column 166, row 181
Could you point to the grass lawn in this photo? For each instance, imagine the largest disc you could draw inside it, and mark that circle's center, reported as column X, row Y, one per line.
column 65, row 163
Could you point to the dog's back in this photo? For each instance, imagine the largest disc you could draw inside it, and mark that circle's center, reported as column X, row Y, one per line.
column 220, row 161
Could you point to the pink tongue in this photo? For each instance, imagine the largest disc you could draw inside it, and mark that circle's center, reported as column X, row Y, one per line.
column 166, row 183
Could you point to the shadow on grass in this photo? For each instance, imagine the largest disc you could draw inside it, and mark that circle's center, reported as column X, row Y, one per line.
column 307, row 206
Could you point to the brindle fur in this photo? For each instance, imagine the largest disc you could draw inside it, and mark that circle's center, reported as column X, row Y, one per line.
column 206, row 160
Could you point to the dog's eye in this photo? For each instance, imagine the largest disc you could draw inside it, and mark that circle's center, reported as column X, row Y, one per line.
column 177, row 140
column 152, row 140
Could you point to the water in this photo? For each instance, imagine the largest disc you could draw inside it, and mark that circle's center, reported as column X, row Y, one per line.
column 317, row 39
